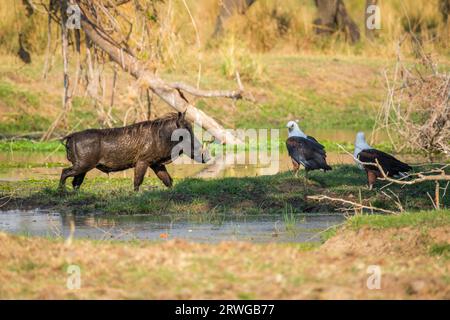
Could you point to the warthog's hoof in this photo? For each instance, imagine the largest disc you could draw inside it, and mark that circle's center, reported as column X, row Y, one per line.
column 62, row 190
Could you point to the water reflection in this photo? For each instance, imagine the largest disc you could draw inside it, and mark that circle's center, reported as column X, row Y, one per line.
column 266, row 228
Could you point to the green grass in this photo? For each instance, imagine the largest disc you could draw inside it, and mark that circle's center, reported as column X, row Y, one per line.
column 20, row 120
column 29, row 165
column 191, row 196
column 440, row 249
column 10, row 94
column 310, row 107
column 423, row 220
column 289, row 219
column 23, row 124
column 31, row 146
column 329, row 233
column 407, row 219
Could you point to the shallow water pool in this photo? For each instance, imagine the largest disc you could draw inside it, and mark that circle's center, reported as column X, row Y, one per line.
column 266, row 228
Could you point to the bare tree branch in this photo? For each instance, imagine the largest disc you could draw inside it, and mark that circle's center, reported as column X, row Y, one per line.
column 231, row 94
column 237, row 94
column 353, row 204
column 166, row 92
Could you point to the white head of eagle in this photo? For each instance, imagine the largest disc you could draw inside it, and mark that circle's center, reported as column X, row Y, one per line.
column 360, row 145
column 294, row 130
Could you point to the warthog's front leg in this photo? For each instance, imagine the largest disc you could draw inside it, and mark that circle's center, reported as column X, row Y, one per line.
column 62, row 181
column 162, row 174
column 139, row 173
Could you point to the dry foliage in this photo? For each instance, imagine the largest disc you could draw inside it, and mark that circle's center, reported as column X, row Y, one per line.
column 416, row 112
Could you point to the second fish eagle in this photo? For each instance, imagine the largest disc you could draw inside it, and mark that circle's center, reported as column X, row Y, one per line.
column 391, row 166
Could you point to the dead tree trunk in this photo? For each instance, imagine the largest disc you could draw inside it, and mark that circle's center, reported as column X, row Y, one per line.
column 332, row 17
column 227, row 9
column 170, row 93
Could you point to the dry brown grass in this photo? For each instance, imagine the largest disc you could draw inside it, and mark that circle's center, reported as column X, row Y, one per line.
column 284, row 26
column 36, row 268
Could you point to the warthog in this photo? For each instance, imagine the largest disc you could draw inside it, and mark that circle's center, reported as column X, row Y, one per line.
column 139, row 146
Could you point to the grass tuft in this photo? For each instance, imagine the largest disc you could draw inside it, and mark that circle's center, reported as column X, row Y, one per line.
column 407, row 219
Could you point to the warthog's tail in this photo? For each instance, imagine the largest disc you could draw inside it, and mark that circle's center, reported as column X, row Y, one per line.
column 67, row 141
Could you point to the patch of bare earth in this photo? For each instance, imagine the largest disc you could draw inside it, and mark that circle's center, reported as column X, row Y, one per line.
column 37, row 268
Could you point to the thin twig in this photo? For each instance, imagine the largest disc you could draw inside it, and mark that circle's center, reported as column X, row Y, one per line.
column 353, row 204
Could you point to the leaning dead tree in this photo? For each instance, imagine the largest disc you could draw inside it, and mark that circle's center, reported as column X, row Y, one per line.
column 104, row 28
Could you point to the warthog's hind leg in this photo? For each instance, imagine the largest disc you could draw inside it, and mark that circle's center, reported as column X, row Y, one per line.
column 72, row 172
column 163, row 175
column 78, row 180
column 66, row 172
column 139, row 174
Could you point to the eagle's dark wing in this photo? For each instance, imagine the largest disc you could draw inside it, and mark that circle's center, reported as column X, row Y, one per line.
column 308, row 153
column 314, row 139
column 390, row 165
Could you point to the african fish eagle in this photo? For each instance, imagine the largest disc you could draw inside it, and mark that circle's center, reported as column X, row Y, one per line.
column 305, row 150
column 392, row 167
